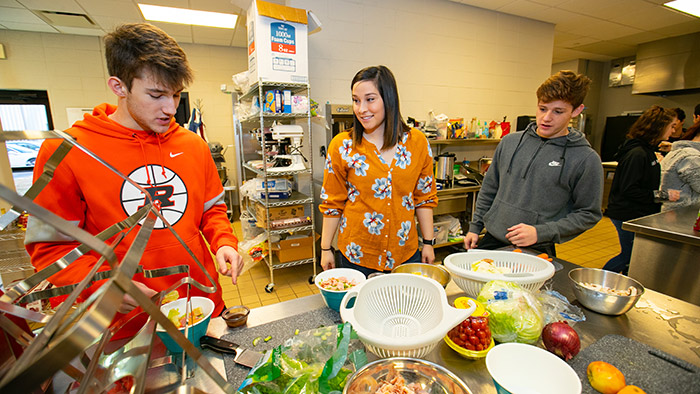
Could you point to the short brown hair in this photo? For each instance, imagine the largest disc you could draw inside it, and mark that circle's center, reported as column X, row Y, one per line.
column 651, row 125
column 566, row 86
column 135, row 47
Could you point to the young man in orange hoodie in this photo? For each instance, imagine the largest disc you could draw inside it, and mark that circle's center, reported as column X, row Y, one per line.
column 140, row 138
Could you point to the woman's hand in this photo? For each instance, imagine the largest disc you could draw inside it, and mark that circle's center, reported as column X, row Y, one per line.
column 673, row 194
column 327, row 259
column 427, row 254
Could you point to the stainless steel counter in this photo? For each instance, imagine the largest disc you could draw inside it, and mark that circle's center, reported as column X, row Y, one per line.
column 665, row 253
column 663, row 322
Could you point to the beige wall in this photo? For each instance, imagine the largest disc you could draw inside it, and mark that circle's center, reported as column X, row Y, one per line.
column 73, row 71
column 448, row 57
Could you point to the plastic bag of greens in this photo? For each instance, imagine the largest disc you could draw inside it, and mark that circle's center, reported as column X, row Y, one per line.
column 515, row 314
column 315, row 361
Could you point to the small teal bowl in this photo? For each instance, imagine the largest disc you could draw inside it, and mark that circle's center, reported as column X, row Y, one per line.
column 196, row 331
column 332, row 298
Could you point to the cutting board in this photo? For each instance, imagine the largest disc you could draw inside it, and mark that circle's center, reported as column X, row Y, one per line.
column 279, row 331
column 650, row 369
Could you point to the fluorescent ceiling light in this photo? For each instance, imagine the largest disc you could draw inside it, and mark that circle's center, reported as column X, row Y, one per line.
column 691, row 7
column 188, row 17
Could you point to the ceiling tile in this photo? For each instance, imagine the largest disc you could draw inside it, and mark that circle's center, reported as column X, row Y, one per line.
column 10, row 3
column 182, row 39
column 651, row 18
column 608, row 48
column 601, row 9
column 53, row 5
column 38, row 27
column 204, row 32
column 215, row 6
column 551, row 3
column 558, row 16
column 524, row 8
column 488, row 4
column 123, row 9
column 679, row 28
column 573, row 40
column 639, row 38
column 19, row 15
column 212, row 41
column 80, row 31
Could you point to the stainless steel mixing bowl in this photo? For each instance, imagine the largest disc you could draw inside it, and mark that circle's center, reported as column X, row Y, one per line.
column 599, row 301
column 432, row 271
column 433, row 378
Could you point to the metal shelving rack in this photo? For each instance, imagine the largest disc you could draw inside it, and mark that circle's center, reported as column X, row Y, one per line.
column 249, row 147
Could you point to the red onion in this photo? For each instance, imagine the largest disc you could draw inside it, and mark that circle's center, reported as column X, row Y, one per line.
column 560, row 339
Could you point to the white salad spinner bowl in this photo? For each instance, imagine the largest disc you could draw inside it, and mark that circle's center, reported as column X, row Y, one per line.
column 401, row 315
column 530, row 272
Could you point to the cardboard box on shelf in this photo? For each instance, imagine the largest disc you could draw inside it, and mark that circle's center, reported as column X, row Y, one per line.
column 293, row 249
column 276, row 213
column 277, row 43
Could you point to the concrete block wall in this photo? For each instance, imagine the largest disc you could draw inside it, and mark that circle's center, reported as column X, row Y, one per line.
column 447, row 57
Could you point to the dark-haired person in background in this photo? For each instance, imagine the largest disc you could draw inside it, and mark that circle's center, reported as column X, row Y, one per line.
column 378, row 178
column 635, row 188
column 678, row 130
column 545, row 184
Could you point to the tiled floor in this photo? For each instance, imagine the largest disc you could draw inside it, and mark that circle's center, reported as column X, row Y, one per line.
column 591, row 249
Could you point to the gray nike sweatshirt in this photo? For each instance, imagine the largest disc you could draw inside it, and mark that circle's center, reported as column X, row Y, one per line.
column 555, row 185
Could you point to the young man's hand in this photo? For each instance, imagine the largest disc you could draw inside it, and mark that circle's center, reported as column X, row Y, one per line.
column 470, row 240
column 227, row 254
column 128, row 303
column 522, row 235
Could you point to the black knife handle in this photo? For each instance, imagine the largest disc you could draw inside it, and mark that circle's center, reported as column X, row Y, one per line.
column 218, row 345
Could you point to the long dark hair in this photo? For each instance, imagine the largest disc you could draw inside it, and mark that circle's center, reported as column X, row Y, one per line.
column 691, row 132
column 651, row 125
column 385, row 82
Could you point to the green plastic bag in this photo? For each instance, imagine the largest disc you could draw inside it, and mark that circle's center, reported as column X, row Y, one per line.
column 315, row 361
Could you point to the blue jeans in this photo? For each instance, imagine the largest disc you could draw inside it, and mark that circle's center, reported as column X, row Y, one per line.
column 345, row 263
column 621, row 262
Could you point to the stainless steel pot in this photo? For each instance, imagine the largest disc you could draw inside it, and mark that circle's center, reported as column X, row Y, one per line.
column 444, row 170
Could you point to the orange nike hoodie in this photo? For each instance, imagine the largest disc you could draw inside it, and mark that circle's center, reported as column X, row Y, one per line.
column 175, row 167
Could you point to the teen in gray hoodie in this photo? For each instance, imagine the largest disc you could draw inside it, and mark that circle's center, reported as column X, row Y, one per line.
column 545, row 184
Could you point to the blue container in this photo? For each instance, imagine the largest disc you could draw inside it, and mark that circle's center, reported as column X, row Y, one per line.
column 332, row 298
column 195, row 332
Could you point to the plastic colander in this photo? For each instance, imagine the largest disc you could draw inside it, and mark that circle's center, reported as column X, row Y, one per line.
column 528, row 271
column 401, row 315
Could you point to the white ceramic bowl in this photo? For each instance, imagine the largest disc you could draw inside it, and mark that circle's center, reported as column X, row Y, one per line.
column 517, row 368
column 194, row 332
column 332, row 298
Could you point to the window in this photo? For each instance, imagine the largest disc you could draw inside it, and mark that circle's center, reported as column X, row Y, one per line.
column 24, row 110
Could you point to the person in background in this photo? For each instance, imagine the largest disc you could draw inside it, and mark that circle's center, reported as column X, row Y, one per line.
column 140, row 138
column 678, row 130
column 378, row 177
column 544, row 185
column 680, row 170
column 635, row 188
column 696, row 114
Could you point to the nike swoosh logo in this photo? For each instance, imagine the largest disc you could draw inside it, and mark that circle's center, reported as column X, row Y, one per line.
column 175, row 154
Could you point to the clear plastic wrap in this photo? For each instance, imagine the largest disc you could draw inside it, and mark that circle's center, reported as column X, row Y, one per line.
column 315, row 361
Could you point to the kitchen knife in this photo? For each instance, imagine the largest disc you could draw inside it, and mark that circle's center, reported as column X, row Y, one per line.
column 243, row 356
